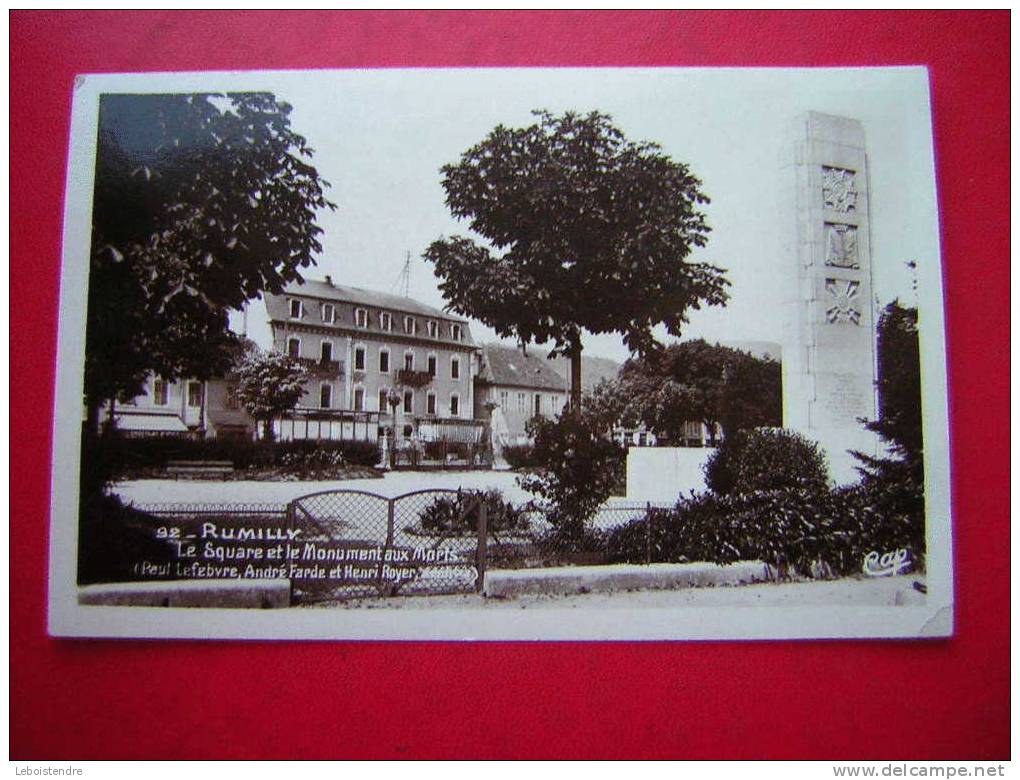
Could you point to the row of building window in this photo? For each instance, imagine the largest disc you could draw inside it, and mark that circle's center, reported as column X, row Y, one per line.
column 550, row 404
column 361, row 320
column 161, row 393
column 161, row 390
column 405, row 402
column 360, row 353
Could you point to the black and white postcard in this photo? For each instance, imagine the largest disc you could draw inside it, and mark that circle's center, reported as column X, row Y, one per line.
column 502, row 354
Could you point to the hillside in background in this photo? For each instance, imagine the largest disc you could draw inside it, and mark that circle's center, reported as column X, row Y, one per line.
column 760, row 349
column 593, row 369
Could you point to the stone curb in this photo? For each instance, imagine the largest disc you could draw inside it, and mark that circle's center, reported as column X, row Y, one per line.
column 233, row 594
column 507, row 583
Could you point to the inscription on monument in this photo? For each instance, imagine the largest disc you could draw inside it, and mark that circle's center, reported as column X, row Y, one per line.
column 845, row 402
column 839, row 189
column 842, row 305
column 841, row 246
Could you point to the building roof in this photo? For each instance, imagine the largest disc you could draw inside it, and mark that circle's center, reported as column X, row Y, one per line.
column 510, row 366
column 350, row 298
column 330, row 291
column 134, row 420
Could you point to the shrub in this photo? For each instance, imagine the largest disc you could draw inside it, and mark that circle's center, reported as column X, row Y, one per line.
column 519, row 456
column 315, row 459
column 719, row 468
column 766, row 459
column 806, row 531
column 575, row 469
column 119, row 454
column 361, row 453
column 309, row 453
column 457, row 515
column 556, row 547
column 696, row 529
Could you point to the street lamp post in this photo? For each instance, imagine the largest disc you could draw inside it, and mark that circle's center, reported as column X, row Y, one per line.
column 393, row 399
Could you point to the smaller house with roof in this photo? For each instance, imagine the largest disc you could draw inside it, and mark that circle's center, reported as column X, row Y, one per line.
column 519, row 385
column 185, row 408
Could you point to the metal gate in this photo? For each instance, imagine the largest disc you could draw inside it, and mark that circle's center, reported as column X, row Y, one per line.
column 353, row 543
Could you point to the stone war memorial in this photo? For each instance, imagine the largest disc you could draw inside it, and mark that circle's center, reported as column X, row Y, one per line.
column 829, row 331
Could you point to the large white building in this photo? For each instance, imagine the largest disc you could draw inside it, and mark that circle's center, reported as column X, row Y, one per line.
column 374, row 359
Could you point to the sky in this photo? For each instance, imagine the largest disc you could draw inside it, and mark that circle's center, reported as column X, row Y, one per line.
column 380, row 138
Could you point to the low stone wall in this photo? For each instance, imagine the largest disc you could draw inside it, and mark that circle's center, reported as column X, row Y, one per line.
column 232, row 594
column 595, row 579
column 662, row 473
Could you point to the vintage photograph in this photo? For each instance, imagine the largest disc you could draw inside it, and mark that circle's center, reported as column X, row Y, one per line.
column 495, row 354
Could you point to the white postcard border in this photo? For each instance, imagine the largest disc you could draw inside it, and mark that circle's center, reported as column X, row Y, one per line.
column 69, row 619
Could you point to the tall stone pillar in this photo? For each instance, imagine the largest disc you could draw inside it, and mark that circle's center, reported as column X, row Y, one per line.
column 829, row 341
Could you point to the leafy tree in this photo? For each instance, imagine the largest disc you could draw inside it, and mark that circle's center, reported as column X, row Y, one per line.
column 896, row 481
column 574, row 469
column 698, row 381
column 607, row 405
column 899, row 382
column 269, row 384
column 585, row 230
column 752, row 393
column 201, row 202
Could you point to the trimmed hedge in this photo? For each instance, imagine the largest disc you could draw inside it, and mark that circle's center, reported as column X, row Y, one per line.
column 124, row 454
column 519, row 456
column 813, row 533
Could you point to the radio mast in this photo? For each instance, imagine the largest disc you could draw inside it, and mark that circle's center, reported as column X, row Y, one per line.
column 403, row 285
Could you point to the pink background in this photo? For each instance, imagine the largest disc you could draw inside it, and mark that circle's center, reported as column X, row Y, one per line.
column 865, row 699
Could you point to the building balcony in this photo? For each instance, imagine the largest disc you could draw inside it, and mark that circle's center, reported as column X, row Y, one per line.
column 322, row 367
column 410, row 378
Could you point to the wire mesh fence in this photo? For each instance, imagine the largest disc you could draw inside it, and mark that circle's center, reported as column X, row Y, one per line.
column 426, row 542
column 606, row 537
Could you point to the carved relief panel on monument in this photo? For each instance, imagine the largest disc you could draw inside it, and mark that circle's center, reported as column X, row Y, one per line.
column 841, row 246
column 839, row 189
column 841, row 301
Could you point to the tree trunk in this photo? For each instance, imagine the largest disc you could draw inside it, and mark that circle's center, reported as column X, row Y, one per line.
column 91, row 423
column 575, row 376
column 110, row 419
